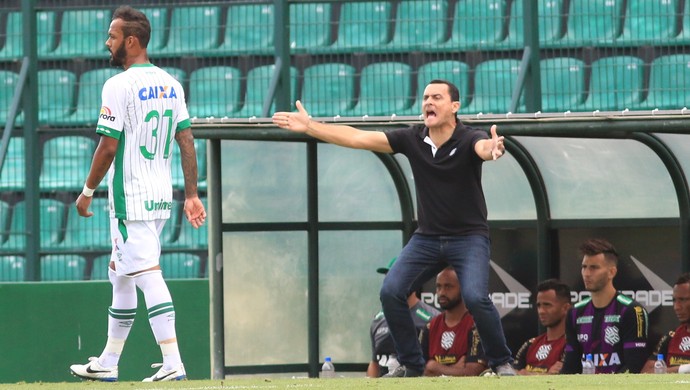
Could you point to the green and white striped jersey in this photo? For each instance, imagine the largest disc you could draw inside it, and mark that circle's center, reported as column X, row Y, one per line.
column 143, row 108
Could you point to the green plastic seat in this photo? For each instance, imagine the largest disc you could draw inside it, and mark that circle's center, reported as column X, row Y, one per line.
column 13, row 174
column 91, row 233
column 214, row 91
column 669, row 82
column 477, row 24
column 454, row 71
column 99, row 268
column 188, row 237
column 363, row 26
column 158, row 18
column 179, row 265
column 310, row 26
column 171, row 230
column 615, row 83
column 88, row 102
column 14, row 44
column 52, row 225
column 649, row 22
column 8, row 83
column 593, row 23
column 549, row 21
column 179, row 74
column 494, row 81
column 12, row 268
column 562, row 84
column 62, row 267
column 178, row 176
column 385, row 89
column 56, row 95
column 328, row 89
column 419, row 25
column 248, row 30
column 192, row 30
column 66, row 162
column 83, row 33
column 258, row 82
column 683, row 38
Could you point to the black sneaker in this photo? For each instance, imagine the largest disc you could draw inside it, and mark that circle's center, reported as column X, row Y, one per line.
column 403, row 372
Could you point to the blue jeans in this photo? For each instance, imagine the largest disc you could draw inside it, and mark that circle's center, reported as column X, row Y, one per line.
column 421, row 259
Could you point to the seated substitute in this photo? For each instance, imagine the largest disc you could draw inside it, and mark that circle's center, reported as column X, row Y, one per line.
column 384, row 358
column 453, row 343
column 544, row 354
column 609, row 325
column 676, row 344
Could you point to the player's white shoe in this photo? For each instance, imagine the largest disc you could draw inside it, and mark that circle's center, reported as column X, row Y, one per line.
column 176, row 374
column 93, row 371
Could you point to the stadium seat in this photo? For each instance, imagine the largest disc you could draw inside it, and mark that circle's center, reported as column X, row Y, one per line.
column 14, row 44
column 550, row 12
column 419, row 25
column 52, row 218
column 385, row 89
column 88, row 102
column 494, row 81
column 328, row 89
column 171, row 230
column 363, row 26
column 91, row 233
column 66, row 162
column 192, row 30
column 62, row 267
column 593, row 23
column 12, row 268
column 180, row 265
column 179, row 74
column 683, row 38
column 13, row 174
column 158, row 18
column 189, row 237
column 615, row 83
column 8, row 83
column 99, row 268
column 248, row 30
column 562, row 84
column 454, row 71
column 669, row 82
column 214, row 91
column 649, row 22
column 178, row 176
column 83, row 33
column 477, row 24
column 56, row 95
column 310, row 26
column 258, row 82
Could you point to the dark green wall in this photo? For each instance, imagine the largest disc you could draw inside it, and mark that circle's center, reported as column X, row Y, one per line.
column 45, row 327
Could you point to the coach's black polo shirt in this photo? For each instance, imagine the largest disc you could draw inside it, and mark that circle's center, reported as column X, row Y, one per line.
column 450, row 200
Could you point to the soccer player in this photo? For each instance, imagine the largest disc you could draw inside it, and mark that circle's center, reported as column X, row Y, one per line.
column 384, row 359
column 446, row 158
column 143, row 111
column 676, row 344
column 544, row 354
column 454, row 345
column 609, row 325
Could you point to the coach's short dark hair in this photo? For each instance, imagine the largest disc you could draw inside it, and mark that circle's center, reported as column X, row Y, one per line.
column 562, row 290
column 452, row 89
column 595, row 246
column 136, row 24
column 683, row 278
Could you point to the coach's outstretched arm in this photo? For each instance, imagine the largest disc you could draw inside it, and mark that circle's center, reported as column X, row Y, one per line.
column 346, row 136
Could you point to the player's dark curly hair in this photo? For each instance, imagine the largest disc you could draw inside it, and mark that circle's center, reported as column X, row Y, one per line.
column 561, row 289
column 136, row 24
column 595, row 246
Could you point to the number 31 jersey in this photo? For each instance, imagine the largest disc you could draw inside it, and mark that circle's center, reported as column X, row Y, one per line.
column 142, row 107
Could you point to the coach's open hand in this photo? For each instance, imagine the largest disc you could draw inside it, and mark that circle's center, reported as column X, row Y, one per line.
column 294, row 121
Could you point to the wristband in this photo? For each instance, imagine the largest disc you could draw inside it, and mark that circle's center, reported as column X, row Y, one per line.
column 684, row 369
column 88, row 192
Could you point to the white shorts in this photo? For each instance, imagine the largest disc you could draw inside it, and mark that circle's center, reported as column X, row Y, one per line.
column 136, row 244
